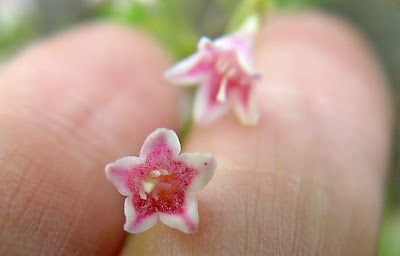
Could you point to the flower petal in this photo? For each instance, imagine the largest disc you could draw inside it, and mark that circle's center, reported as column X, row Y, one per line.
column 187, row 221
column 188, row 71
column 242, row 46
column 160, row 145
column 204, row 43
column 241, row 42
column 117, row 172
column 234, row 43
column 136, row 223
column 206, row 106
column 205, row 164
column 245, row 105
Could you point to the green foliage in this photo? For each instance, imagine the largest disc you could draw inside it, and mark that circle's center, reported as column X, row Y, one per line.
column 390, row 236
column 164, row 20
column 261, row 7
column 15, row 37
column 176, row 22
column 298, row 3
column 247, row 8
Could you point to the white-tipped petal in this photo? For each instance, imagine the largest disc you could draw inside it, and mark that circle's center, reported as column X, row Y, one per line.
column 187, row 221
column 116, row 172
column 205, row 164
column 245, row 62
column 136, row 223
column 247, row 114
column 162, row 139
column 185, row 71
column 204, row 43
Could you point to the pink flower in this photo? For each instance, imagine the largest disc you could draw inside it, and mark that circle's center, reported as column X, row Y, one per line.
column 159, row 183
column 223, row 69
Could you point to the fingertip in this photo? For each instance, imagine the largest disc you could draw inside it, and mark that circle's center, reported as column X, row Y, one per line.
column 319, row 69
column 69, row 105
column 310, row 173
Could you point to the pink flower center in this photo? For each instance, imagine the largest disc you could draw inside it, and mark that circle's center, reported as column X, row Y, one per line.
column 161, row 187
column 231, row 73
column 156, row 184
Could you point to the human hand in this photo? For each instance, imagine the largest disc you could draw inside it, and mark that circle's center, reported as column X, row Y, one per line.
column 307, row 180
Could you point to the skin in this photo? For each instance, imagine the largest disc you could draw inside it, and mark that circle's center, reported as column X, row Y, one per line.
column 308, row 180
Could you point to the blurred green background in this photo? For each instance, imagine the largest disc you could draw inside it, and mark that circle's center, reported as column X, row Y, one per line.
column 178, row 24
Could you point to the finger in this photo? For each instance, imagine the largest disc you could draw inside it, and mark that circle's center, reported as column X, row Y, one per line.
column 68, row 106
column 308, row 179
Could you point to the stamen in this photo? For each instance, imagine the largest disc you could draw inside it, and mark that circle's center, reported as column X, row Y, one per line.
column 155, row 174
column 164, row 172
column 221, row 96
column 148, row 186
column 142, row 194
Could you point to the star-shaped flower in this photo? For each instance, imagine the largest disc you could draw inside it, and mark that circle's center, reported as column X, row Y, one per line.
column 159, row 183
column 223, row 68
